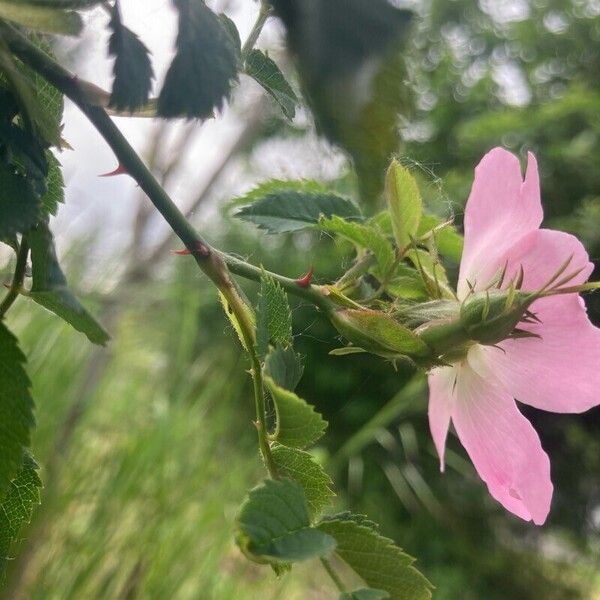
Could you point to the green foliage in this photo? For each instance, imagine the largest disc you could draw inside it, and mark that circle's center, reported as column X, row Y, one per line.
column 200, row 76
column 49, row 288
column 302, row 467
column 298, row 424
column 41, row 18
column 19, row 204
column 266, row 72
column 132, row 69
column 376, row 559
column 284, row 366
column 17, row 506
column 364, row 236
column 55, row 186
column 274, row 525
column 282, row 206
column 74, row 4
column 274, row 317
column 365, row 594
column 404, row 203
column 16, row 409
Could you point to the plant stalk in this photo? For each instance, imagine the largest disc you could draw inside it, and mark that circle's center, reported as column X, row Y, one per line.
column 18, row 278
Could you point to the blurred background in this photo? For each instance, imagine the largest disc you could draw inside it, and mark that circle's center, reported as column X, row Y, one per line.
column 147, row 447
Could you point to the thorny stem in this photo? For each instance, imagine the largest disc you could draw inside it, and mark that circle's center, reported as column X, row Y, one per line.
column 334, row 576
column 18, row 278
column 217, row 265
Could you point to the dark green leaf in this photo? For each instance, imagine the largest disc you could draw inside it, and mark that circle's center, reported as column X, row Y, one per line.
column 274, row 318
column 16, row 409
column 17, row 506
column 266, row 72
column 280, row 210
column 41, row 18
column 132, row 69
column 298, row 424
column 205, row 65
column 50, row 289
column 303, row 468
column 233, row 32
column 19, row 204
column 349, row 64
column 274, row 525
column 55, row 186
column 284, row 367
column 377, row 559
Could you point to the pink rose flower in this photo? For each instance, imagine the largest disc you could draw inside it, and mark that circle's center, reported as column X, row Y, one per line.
column 558, row 371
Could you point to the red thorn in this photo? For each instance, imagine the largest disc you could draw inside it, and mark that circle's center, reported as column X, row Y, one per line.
column 201, row 249
column 305, row 280
column 120, row 170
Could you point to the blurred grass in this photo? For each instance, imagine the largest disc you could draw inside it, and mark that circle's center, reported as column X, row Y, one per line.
column 141, row 496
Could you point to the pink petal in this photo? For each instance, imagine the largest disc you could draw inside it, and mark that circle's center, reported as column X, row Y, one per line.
column 559, row 372
column 503, row 446
column 501, row 209
column 541, row 253
column 441, row 394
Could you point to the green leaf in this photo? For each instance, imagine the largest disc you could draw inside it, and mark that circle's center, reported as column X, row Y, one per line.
column 274, row 525
column 16, row 408
column 17, row 506
column 279, row 208
column 49, row 288
column 365, row 594
column 55, row 185
column 404, row 203
column 132, row 69
column 377, row 559
column 298, row 424
column 205, row 65
column 41, row 18
column 364, row 236
column 19, row 204
column 266, row 72
column 303, row 468
column 448, row 241
column 407, row 283
column 284, row 367
column 274, row 318
column 41, row 103
column 233, row 32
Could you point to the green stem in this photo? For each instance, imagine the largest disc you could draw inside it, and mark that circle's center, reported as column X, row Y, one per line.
column 18, row 278
column 263, row 15
column 334, row 576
